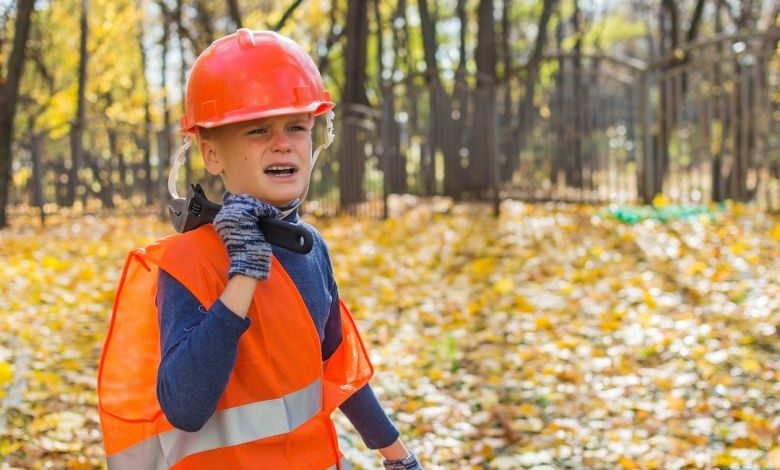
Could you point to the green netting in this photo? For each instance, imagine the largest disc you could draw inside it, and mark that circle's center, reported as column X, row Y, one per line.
column 633, row 214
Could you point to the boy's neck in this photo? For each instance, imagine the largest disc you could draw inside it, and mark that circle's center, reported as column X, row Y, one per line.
column 292, row 216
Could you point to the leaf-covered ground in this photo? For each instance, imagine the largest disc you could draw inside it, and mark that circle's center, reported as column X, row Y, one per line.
column 552, row 337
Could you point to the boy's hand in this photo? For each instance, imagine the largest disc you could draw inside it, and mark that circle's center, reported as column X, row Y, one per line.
column 409, row 463
column 237, row 225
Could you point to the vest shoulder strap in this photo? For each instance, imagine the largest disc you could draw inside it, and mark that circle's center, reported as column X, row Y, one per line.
column 192, row 258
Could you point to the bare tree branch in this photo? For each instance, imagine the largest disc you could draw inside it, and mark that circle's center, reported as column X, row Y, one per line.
column 671, row 8
column 334, row 36
column 770, row 43
column 4, row 20
column 693, row 30
column 204, row 17
column 36, row 57
column 729, row 9
column 325, row 59
column 774, row 16
column 287, row 14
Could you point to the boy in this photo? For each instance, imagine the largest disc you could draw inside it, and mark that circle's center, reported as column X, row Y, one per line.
column 245, row 349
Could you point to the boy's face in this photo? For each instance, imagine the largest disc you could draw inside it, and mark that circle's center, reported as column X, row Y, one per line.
column 268, row 158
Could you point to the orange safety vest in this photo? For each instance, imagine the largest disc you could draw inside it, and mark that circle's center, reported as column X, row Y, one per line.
column 275, row 410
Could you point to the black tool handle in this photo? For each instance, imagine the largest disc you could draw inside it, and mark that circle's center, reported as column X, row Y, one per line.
column 189, row 214
column 287, row 235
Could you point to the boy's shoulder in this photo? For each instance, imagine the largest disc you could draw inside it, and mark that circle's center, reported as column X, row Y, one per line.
column 193, row 245
column 204, row 235
column 320, row 248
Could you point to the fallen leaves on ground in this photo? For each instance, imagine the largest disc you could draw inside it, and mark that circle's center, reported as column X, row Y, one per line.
column 551, row 337
column 56, row 289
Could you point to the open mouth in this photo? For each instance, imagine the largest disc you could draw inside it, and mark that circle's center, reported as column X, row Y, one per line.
column 281, row 170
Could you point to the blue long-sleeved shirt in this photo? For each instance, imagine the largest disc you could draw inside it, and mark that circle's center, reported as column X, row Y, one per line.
column 199, row 345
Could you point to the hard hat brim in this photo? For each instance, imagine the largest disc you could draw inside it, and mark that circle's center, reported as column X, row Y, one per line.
column 316, row 108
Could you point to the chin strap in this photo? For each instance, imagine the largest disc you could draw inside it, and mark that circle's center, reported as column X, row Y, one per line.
column 177, row 162
column 329, row 138
column 181, row 155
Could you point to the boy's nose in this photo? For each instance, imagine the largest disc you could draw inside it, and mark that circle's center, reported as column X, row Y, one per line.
column 280, row 142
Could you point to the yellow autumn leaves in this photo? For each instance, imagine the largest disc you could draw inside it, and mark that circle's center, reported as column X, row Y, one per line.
column 6, row 374
column 560, row 337
column 552, row 337
column 56, row 289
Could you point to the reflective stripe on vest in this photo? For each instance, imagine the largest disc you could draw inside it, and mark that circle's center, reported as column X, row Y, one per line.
column 229, row 427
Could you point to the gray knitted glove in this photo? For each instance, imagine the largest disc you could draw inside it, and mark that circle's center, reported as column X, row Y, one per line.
column 238, row 225
column 409, row 463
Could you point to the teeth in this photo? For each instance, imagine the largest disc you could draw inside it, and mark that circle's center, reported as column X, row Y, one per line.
column 280, row 170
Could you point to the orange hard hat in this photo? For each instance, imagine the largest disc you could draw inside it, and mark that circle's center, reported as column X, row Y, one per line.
column 251, row 75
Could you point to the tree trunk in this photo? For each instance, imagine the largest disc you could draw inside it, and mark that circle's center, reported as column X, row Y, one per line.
column 101, row 174
column 106, row 182
column 742, row 138
column 506, row 111
column 661, row 138
column 525, row 112
column 673, row 31
column 717, row 193
column 671, row 96
column 77, row 129
column 204, row 20
column 352, row 156
column 559, row 110
column 451, row 115
column 145, row 139
column 9, row 93
column 456, row 119
column 37, row 174
column 356, row 52
column 744, row 118
column 578, row 98
column 482, row 158
column 235, row 12
column 429, row 41
column 436, row 94
column 387, row 119
column 396, row 179
column 124, row 188
column 165, row 137
column 183, row 79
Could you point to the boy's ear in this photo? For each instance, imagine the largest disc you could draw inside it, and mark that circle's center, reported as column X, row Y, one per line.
column 209, row 153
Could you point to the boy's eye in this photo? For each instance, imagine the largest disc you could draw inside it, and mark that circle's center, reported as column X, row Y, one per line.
column 259, row 130
column 297, row 128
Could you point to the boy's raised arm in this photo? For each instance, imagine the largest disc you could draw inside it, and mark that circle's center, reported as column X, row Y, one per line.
column 199, row 348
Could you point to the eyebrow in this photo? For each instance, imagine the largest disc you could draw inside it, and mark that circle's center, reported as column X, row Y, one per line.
column 286, row 123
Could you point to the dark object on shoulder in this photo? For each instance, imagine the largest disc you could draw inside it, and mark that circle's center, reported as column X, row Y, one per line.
column 196, row 210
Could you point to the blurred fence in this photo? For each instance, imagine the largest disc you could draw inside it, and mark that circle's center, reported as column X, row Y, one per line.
column 120, row 160
column 711, row 122
column 699, row 125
